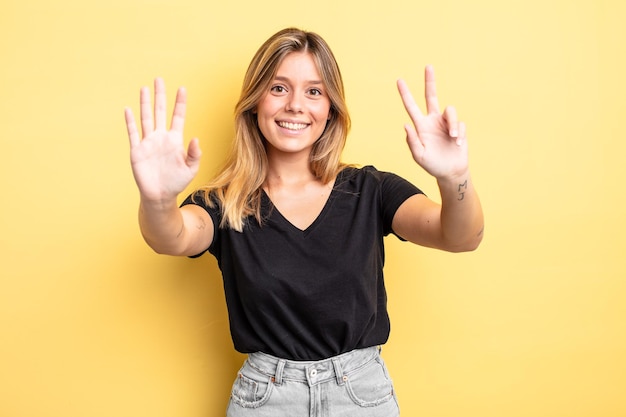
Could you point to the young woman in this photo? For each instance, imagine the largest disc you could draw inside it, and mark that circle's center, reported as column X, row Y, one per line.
column 298, row 234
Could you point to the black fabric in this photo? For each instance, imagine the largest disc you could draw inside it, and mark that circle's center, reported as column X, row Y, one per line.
column 315, row 293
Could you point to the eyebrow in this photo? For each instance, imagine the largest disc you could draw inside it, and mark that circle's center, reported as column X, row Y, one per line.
column 286, row 79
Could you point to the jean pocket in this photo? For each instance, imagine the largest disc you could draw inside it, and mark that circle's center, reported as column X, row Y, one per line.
column 251, row 389
column 370, row 385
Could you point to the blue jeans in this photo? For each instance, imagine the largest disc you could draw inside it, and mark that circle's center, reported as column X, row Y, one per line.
column 354, row 384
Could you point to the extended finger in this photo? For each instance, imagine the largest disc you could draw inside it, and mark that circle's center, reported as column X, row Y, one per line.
column 452, row 123
column 147, row 124
column 178, row 119
column 160, row 104
column 131, row 127
column 430, row 90
column 409, row 102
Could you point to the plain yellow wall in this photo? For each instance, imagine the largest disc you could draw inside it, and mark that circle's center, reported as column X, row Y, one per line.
column 92, row 323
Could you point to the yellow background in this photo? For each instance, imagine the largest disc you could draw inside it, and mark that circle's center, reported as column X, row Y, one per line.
column 92, row 323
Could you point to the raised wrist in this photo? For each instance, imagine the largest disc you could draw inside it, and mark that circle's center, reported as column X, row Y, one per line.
column 164, row 203
column 454, row 180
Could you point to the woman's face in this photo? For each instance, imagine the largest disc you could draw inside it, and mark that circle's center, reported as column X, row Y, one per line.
column 293, row 113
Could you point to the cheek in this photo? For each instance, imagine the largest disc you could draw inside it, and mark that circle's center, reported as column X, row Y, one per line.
column 264, row 113
column 323, row 112
column 263, row 126
column 265, row 106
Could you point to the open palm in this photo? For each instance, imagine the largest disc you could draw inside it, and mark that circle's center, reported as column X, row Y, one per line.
column 161, row 166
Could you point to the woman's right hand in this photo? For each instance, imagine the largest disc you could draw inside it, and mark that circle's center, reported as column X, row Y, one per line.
column 161, row 166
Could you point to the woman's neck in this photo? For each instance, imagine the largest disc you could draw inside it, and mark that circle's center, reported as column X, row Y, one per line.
column 289, row 170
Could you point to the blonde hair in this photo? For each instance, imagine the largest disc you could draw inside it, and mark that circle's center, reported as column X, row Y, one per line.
column 238, row 186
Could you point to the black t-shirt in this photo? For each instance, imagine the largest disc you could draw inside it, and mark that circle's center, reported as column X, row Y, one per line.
column 315, row 293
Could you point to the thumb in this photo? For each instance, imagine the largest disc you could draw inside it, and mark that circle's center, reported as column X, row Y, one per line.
column 194, row 153
column 415, row 143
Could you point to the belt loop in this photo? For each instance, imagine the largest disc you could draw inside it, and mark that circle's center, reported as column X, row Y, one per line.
column 278, row 376
column 338, row 372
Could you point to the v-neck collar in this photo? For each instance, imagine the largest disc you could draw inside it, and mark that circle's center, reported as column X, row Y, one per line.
column 274, row 212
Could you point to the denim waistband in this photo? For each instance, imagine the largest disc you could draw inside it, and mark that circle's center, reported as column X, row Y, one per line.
column 312, row 372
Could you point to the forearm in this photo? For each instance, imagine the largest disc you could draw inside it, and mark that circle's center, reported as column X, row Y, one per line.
column 462, row 220
column 162, row 225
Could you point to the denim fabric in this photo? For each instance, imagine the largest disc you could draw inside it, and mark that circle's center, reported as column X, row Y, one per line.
column 354, row 384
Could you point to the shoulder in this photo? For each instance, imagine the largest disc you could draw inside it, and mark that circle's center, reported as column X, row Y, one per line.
column 359, row 174
column 369, row 175
column 203, row 198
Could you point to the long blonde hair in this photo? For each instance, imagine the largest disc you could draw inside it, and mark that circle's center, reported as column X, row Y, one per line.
column 238, row 186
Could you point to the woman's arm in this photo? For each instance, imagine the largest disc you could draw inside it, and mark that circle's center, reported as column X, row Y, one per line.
column 456, row 225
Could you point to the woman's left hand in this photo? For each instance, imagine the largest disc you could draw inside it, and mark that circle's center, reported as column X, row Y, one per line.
column 437, row 140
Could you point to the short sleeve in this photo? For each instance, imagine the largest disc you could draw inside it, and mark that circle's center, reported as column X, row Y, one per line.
column 394, row 190
column 198, row 198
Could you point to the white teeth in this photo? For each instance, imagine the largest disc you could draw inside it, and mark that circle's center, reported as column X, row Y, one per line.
column 292, row 126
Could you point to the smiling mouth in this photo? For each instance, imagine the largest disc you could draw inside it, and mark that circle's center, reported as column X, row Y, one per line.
column 292, row 126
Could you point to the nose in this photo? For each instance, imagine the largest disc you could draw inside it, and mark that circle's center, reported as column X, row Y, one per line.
column 294, row 103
